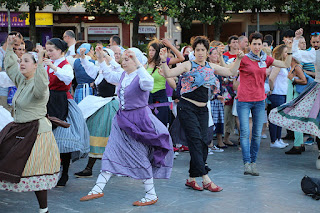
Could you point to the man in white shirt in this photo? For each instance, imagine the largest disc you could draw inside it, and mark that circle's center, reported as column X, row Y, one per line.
column 115, row 40
column 70, row 38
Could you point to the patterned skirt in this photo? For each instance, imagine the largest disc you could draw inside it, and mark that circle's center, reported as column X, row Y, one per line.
column 99, row 125
column 302, row 114
column 42, row 168
column 74, row 139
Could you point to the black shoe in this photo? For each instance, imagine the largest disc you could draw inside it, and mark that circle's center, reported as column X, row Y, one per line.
column 288, row 137
column 84, row 174
column 63, row 180
column 294, row 151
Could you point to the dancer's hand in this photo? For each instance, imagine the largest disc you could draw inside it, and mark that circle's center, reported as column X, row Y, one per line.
column 163, row 54
column 240, row 54
column 82, row 53
column 299, row 33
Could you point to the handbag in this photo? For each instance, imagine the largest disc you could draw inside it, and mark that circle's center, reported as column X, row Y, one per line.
column 300, row 87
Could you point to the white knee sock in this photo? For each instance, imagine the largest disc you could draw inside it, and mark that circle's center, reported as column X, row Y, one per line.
column 102, row 180
column 43, row 210
column 149, row 188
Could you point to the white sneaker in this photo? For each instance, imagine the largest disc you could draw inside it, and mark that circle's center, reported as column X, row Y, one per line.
column 216, row 149
column 281, row 141
column 277, row 144
column 264, row 136
column 210, row 151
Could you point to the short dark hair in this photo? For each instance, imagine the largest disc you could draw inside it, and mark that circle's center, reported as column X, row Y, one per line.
column 289, row 33
column 14, row 33
column 70, row 33
column 78, row 44
column 201, row 40
column 268, row 37
column 116, row 39
column 29, row 45
column 233, row 37
column 255, row 35
column 99, row 42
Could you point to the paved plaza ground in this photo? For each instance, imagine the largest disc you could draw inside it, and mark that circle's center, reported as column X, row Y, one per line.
column 277, row 189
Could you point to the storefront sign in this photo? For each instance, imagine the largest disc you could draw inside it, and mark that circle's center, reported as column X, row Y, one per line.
column 103, row 30
column 41, row 19
column 147, row 29
column 15, row 21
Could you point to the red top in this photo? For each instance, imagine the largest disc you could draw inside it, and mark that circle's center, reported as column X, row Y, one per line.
column 56, row 84
column 252, row 79
column 229, row 55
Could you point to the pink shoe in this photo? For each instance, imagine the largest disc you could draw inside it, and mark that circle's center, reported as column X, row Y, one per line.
column 209, row 187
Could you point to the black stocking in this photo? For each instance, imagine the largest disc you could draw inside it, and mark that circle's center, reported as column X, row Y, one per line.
column 65, row 162
column 91, row 163
column 42, row 198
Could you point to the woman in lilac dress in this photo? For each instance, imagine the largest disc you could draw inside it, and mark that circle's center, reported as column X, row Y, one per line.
column 139, row 144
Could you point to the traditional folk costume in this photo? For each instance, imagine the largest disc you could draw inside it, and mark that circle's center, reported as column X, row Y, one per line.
column 73, row 142
column 139, row 145
column 302, row 114
column 28, row 150
column 83, row 88
column 99, row 112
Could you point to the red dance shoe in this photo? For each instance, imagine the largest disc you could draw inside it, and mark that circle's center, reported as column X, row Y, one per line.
column 145, row 202
column 209, row 187
column 192, row 184
column 175, row 149
column 91, row 197
column 183, row 148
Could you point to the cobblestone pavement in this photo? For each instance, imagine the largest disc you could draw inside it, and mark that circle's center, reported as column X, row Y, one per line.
column 277, row 189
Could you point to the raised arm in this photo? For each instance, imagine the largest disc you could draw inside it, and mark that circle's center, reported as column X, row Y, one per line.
column 167, row 72
column 109, row 75
column 146, row 81
column 287, row 62
column 303, row 55
column 91, row 69
column 64, row 74
column 225, row 71
column 179, row 58
column 41, row 80
column 11, row 63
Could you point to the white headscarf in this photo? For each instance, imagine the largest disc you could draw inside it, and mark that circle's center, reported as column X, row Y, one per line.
column 139, row 55
column 109, row 51
column 34, row 55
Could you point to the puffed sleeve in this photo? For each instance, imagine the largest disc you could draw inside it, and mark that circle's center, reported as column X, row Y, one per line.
column 65, row 74
column 146, row 80
column 108, row 74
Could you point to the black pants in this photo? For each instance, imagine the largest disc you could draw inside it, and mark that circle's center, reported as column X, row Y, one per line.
column 163, row 112
column 194, row 121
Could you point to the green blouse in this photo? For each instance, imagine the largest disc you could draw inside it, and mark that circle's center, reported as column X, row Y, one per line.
column 159, row 81
column 31, row 98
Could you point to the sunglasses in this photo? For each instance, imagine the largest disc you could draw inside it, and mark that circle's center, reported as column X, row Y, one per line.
column 315, row 33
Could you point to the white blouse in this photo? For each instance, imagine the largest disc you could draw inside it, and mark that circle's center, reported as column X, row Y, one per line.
column 145, row 79
column 64, row 74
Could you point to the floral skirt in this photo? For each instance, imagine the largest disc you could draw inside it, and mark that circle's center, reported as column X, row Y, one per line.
column 302, row 113
column 42, row 168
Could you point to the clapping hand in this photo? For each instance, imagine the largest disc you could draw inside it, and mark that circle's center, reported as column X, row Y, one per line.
column 82, row 52
column 41, row 54
column 299, row 33
column 288, row 42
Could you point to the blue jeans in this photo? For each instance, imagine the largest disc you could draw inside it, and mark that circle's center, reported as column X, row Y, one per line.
column 250, row 152
column 275, row 131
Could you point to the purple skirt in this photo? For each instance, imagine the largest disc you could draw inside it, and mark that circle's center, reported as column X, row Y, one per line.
column 128, row 157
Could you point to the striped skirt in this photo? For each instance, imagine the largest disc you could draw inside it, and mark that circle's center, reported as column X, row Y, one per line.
column 82, row 91
column 99, row 125
column 42, row 168
column 74, row 139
